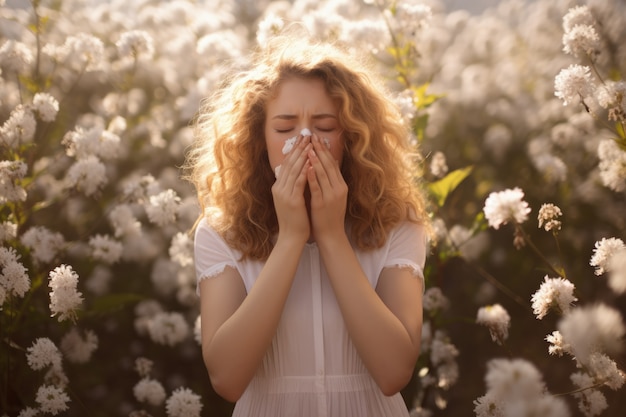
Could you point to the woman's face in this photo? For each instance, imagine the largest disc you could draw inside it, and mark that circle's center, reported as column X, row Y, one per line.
column 301, row 103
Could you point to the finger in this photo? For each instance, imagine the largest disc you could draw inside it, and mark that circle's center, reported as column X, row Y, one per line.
column 293, row 163
column 331, row 167
column 314, row 186
column 320, row 172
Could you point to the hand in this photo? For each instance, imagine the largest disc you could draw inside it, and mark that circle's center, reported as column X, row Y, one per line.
column 288, row 192
column 329, row 192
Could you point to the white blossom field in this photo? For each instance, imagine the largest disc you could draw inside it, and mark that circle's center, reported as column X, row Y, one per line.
column 519, row 112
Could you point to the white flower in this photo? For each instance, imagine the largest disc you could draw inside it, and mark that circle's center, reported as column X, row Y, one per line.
column 514, row 379
column 617, row 271
column 143, row 366
column 64, row 298
column 603, row 251
column 590, row 329
column 13, row 276
column 579, row 15
column 553, row 293
column 124, row 221
column 611, row 94
column 270, row 25
column 78, row 349
column 557, row 345
column 438, row 165
column 106, row 249
column 43, row 243
column 42, row 354
column 581, row 40
column 8, row 231
column 183, row 403
column 95, row 141
column 15, row 56
column 87, row 175
column 434, row 300
column 162, row 208
column 612, row 165
column 19, row 128
column 82, row 52
column 547, row 217
column 10, row 173
column 591, row 402
column 604, row 370
column 181, row 249
column 573, row 84
column 497, row 320
column 135, row 44
column 489, row 405
column 149, row 391
column 168, row 328
column 51, row 399
column 46, row 106
column 28, row 412
column 442, row 350
column 505, row 206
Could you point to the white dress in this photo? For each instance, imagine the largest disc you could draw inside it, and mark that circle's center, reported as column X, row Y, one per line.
column 312, row 369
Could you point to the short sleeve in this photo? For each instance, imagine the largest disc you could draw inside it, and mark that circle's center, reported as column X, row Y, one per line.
column 211, row 253
column 407, row 248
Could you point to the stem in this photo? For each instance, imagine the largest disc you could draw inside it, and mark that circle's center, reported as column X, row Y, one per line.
column 596, row 385
column 538, row 252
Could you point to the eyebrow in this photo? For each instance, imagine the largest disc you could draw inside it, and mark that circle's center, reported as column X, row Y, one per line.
column 314, row 117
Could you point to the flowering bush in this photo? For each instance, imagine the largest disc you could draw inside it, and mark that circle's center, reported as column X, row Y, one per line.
column 520, row 112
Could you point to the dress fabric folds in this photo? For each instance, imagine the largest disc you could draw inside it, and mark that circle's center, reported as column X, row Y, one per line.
column 312, row 369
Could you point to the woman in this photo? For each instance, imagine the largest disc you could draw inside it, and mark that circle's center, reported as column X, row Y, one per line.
column 309, row 260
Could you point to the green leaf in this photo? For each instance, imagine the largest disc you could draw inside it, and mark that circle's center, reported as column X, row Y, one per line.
column 440, row 189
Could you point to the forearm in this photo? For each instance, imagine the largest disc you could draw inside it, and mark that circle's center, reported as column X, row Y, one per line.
column 237, row 348
column 388, row 349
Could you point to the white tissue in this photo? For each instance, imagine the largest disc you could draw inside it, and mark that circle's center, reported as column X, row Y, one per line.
column 305, row 132
column 288, row 146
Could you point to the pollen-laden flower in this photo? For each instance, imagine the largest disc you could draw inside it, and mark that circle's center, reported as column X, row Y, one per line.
column 14, row 278
column 105, row 249
column 574, row 84
column 617, row 271
column 611, row 95
column 181, row 249
column 150, row 391
column 51, row 399
column 591, row 402
column 46, row 106
column 581, row 40
column 497, row 320
column 43, row 243
column 579, row 15
column 64, row 298
column 94, row 141
column 434, row 300
column 163, row 207
column 553, row 293
column 438, row 165
column 15, row 56
column 87, row 175
column 83, row 52
column 19, row 128
column 168, row 328
column 28, row 411
column 270, row 26
column 135, row 44
column 8, row 231
column 604, row 371
column 124, row 221
column 183, row 403
column 589, row 329
column 603, row 251
column 547, row 217
column 42, row 354
column 10, row 174
column 506, row 206
column 612, row 165
column 514, row 379
column 557, row 346
column 78, row 348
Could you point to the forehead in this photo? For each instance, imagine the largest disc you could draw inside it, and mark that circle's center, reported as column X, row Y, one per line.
column 297, row 94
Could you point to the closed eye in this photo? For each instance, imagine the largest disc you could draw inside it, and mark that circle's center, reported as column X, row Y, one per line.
column 283, row 130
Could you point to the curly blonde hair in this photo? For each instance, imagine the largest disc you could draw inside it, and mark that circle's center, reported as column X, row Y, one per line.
column 229, row 166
